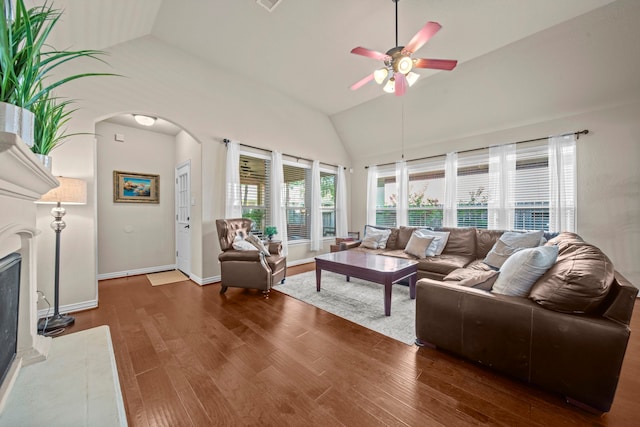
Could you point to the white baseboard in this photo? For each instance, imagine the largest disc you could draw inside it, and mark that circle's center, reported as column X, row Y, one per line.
column 208, row 280
column 69, row 308
column 136, row 272
column 300, row 262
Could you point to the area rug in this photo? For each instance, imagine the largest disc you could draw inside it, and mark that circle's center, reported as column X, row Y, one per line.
column 166, row 277
column 358, row 301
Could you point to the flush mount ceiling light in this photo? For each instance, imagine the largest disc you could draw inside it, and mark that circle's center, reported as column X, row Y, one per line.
column 145, row 120
column 397, row 72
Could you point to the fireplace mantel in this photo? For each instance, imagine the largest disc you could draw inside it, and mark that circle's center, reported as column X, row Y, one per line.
column 23, row 179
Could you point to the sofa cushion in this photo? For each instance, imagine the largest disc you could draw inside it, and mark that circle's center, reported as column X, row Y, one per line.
column 485, row 239
column 509, row 243
column 521, row 270
column 462, row 241
column 392, row 242
column 443, row 264
column 579, row 280
column 369, row 251
column 418, row 244
column 472, row 278
column 404, row 234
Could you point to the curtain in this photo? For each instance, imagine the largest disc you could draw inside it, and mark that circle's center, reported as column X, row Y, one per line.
column 233, row 201
column 402, row 186
column 316, row 208
column 372, row 194
column 278, row 204
column 342, row 223
column 450, row 216
column 502, row 179
column 562, row 183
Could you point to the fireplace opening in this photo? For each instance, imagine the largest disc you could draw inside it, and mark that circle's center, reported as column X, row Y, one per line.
column 9, row 301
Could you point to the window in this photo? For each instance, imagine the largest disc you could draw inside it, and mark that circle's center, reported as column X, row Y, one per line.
column 426, row 194
column 297, row 198
column 532, row 189
column 328, row 206
column 386, row 199
column 471, row 191
column 254, row 186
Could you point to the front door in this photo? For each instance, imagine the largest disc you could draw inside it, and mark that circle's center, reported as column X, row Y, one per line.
column 183, row 215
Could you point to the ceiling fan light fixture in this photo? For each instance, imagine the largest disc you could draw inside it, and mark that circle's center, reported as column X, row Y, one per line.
column 390, row 87
column 405, row 64
column 144, row 120
column 380, row 74
column 412, row 78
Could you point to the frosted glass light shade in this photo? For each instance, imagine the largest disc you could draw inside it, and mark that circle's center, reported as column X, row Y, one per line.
column 71, row 191
column 390, row 87
column 380, row 74
column 412, row 78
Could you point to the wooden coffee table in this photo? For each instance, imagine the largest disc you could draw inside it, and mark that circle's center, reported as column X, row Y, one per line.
column 381, row 269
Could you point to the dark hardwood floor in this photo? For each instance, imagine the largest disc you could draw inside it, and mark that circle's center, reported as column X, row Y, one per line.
column 188, row 356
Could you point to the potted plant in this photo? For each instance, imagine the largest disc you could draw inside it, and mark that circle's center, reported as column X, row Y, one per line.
column 26, row 62
column 270, row 231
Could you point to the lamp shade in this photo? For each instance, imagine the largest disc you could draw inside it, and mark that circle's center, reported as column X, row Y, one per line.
column 71, row 191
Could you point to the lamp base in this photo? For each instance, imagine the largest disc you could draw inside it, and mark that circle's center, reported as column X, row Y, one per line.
column 55, row 322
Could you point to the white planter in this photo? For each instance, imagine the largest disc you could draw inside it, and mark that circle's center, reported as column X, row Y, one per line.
column 17, row 120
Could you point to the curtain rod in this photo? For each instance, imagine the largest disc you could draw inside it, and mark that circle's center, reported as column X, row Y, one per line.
column 577, row 134
column 226, row 142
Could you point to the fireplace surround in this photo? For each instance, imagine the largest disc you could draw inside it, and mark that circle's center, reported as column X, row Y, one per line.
column 23, row 180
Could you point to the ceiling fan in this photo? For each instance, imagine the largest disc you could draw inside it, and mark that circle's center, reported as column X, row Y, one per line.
column 398, row 64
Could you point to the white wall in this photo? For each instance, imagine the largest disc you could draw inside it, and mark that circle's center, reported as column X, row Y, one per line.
column 207, row 103
column 134, row 236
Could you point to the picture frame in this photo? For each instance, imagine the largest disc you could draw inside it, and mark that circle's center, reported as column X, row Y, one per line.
column 133, row 187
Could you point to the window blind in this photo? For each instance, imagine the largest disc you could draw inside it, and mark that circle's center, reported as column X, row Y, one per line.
column 254, row 186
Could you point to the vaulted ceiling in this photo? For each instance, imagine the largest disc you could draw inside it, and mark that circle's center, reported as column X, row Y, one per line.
column 302, row 47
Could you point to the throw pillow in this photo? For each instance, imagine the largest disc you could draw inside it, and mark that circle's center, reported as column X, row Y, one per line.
column 243, row 245
column 378, row 234
column 257, row 243
column 418, row 245
column 438, row 243
column 370, row 242
column 471, row 278
column 509, row 243
column 522, row 269
column 578, row 282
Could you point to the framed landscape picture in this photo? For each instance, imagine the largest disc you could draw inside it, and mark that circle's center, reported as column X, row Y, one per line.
column 132, row 187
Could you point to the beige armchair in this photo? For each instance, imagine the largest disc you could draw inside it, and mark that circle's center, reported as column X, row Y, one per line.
column 248, row 269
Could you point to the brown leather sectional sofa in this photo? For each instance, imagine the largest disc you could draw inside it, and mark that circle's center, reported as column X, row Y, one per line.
column 569, row 336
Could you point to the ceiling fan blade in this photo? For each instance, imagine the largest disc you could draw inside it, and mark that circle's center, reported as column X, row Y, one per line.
column 401, row 84
column 370, row 53
column 362, row 82
column 422, row 36
column 438, row 64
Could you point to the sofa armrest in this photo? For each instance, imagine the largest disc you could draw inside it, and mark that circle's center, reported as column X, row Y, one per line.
column 275, row 248
column 349, row 245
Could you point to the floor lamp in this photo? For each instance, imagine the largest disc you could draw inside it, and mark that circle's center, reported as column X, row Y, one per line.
column 72, row 191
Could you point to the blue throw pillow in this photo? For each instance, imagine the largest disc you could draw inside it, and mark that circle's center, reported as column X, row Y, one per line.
column 522, row 269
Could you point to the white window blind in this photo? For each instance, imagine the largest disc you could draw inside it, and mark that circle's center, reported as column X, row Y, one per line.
column 532, row 188
column 472, row 189
column 426, row 193
column 328, row 196
column 386, row 198
column 254, row 190
column 297, row 181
